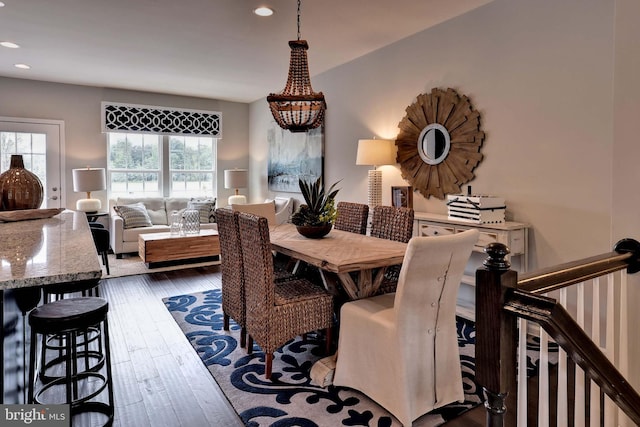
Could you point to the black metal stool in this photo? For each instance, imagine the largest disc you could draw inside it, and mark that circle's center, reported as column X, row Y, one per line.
column 59, row 291
column 81, row 386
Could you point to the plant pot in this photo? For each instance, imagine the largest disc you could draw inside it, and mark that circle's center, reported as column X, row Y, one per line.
column 314, row 231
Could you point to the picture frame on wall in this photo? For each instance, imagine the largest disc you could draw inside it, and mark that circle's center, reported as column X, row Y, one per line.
column 402, row 197
column 294, row 155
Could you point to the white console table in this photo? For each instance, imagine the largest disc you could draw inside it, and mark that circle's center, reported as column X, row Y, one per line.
column 513, row 234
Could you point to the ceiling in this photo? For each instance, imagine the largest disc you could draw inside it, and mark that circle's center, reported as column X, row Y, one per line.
column 207, row 48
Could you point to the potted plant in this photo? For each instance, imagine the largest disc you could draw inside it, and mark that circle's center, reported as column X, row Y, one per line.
column 315, row 217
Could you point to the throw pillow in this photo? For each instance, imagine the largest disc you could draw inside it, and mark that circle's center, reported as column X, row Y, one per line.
column 134, row 216
column 206, row 208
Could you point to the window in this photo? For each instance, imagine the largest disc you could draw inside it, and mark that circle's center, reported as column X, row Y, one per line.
column 135, row 164
column 191, row 161
column 157, row 165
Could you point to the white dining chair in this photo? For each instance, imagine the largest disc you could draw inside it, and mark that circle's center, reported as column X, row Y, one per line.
column 401, row 349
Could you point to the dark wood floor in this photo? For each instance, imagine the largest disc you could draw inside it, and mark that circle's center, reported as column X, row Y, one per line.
column 159, row 378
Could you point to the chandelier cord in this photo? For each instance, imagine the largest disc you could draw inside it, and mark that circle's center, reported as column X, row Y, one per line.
column 298, row 19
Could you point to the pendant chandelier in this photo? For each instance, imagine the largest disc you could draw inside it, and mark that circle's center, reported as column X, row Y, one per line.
column 298, row 108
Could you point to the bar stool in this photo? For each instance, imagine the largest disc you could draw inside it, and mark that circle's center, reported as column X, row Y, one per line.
column 59, row 291
column 79, row 385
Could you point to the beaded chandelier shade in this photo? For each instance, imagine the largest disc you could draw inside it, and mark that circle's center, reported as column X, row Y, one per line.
column 298, row 108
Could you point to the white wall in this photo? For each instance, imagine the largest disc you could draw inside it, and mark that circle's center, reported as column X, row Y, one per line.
column 626, row 151
column 79, row 108
column 541, row 76
column 561, row 144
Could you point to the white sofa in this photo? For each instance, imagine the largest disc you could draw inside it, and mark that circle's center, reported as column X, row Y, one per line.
column 125, row 240
column 159, row 209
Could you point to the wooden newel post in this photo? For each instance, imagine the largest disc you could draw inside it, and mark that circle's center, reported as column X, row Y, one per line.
column 496, row 337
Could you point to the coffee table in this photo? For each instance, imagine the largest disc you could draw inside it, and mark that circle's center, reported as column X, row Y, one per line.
column 157, row 249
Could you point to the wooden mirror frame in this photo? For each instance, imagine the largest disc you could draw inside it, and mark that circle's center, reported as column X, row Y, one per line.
column 444, row 175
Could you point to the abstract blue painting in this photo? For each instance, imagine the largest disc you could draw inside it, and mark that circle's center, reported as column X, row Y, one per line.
column 294, row 155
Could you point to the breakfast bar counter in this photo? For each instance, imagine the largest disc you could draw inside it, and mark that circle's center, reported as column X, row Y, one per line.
column 40, row 252
column 47, row 251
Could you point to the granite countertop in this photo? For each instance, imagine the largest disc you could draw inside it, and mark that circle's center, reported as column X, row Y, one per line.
column 46, row 251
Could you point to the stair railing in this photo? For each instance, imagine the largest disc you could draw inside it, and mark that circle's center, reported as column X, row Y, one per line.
column 506, row 306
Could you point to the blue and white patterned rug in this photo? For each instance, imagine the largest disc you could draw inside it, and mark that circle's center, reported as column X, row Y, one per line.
column 290, row 398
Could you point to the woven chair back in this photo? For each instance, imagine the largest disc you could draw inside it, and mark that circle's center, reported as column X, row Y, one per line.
column 392, row 223
column 231, row 265
column 352, row 217
column 258, row 272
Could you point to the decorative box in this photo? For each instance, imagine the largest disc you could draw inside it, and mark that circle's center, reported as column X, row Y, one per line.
column 479, row 209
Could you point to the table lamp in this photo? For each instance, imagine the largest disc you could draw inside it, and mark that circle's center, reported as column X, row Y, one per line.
column 375, row 152
column 88, row 180
column 236, row 178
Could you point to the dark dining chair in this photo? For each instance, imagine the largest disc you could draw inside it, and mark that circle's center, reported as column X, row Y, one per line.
column 233, row 281
column 233, row 305
column 277, row 312
column 352, row 217
column 392, row 223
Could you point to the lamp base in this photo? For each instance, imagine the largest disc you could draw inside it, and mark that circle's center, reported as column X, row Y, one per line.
column 88, row 205
column 374, row 187
column 237, row 199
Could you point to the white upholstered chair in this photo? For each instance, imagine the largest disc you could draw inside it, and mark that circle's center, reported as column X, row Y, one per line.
column 401, row 349
column 267, row 210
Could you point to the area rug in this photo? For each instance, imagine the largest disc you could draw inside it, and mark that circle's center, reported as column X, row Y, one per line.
column 131, row 264
column 291, row 398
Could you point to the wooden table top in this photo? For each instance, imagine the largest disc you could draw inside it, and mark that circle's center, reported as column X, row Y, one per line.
column 339, row 251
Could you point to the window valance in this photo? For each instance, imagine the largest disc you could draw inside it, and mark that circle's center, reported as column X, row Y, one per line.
column 160, row 120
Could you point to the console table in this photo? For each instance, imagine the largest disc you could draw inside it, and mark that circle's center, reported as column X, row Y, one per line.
column 513, row 234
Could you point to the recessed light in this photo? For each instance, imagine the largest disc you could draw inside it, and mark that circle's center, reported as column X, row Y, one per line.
column 10, row 45
column 263, row 11
column 1, row 4
column 22, row 66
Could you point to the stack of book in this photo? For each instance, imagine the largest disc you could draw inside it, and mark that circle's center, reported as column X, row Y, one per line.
column 478, row 209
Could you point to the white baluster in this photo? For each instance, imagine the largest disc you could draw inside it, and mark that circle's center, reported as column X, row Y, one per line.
column 522, row 372
column 579, row 383
column 563, row 404
column 543, row 381
column 610, row 347
column 594, row 396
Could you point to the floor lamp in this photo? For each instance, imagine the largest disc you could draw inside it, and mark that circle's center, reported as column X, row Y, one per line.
column 236, row 178
column 375, row 152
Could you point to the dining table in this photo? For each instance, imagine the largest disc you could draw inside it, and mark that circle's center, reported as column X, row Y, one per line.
column 357, row 261
column 36, row 253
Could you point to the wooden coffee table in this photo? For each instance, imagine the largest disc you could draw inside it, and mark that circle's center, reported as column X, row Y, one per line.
column 156, row 249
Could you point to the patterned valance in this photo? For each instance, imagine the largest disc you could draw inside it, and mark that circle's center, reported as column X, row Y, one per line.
column 160, row 120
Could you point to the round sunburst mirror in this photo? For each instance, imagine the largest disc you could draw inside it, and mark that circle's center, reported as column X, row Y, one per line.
column 439, row 143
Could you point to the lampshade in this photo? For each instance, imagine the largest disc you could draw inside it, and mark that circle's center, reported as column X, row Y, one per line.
column 375, row 152
column 236, row 178
column 88, row 180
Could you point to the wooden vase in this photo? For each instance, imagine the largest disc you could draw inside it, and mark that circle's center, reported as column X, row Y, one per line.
column 20, row 188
